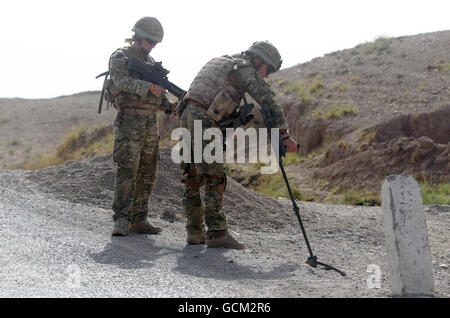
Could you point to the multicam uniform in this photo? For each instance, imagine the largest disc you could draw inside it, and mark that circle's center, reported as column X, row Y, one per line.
column 215, row 80
column 136, row 144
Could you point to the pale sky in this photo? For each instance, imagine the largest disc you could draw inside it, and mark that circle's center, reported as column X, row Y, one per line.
column 53, row 48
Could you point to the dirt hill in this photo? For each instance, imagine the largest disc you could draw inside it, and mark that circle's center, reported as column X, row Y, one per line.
column 360, row 114
column 364, row 113
column 32, row 127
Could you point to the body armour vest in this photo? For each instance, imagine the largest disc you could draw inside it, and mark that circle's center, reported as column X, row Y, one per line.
column 129, row 100
column 213, row 79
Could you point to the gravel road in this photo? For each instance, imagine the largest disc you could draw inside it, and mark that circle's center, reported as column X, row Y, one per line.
column 52, row 247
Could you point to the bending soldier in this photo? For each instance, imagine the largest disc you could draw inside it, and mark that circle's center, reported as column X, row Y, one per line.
column 136, row 144
column 218, row 86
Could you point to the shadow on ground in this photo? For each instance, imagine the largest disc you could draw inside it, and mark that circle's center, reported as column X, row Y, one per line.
column 196, row 260
column 132, row 252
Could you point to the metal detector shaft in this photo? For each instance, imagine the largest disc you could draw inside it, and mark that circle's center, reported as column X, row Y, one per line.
column 312, row 260
column 295, row 206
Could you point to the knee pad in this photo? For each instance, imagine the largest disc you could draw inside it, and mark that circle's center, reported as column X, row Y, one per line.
column 192, row 180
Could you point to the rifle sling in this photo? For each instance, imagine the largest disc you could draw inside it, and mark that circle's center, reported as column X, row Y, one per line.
column 102, row 95
column 239, row 81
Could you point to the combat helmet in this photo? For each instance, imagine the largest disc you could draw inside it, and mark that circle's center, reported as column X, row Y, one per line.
column 149, row 28
column 268, row 52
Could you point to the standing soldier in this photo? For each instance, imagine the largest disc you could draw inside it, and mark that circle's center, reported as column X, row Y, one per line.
column 215, row 92
column 136, row 144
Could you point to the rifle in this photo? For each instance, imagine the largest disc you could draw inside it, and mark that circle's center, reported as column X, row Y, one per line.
column 312, row 259
column 154, row 73
column 105, row 74
column 239, row 117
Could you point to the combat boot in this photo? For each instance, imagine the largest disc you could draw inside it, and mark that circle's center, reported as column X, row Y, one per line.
column 226, row 241
column 120, row 227
column 196, row 238
column 143, row 227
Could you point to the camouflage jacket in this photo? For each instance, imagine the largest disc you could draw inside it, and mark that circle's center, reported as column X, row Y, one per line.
column 128, row 84
column 206, row 85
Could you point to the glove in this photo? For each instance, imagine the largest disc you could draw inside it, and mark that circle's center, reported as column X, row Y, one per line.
column 171, row 110
column 291, row 144
column 156, row 90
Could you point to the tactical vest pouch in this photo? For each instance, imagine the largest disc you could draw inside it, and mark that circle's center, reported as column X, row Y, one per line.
column 152, row 99
column 128, row 100
column 221, row 107
column 111, row 91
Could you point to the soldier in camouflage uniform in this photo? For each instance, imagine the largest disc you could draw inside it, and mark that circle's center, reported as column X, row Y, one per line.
column 218, row 86
column 136, row 144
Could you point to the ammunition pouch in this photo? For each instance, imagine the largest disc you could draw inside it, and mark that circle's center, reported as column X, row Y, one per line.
column 111, row 91
column 136, row 111
column 221, row 107
column 121, row 99
column 219, row 188
column 135, row 101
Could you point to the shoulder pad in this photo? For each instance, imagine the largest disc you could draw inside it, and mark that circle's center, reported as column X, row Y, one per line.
column 119, row 53
column 239, row 61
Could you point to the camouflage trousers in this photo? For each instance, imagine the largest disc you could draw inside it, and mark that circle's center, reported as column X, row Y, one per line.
column 210, row 175
column 136, row 152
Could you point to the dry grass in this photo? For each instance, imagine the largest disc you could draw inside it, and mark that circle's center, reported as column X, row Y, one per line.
column 76, row 144
column 274, row 186
column 301, row 89
column 381, row 44
column 334, row 112
column 435, row 193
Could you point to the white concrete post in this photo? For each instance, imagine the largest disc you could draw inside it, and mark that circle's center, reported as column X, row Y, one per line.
column 408, row 252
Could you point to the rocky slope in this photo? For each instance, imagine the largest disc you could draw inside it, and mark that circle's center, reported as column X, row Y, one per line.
column 377, row 109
